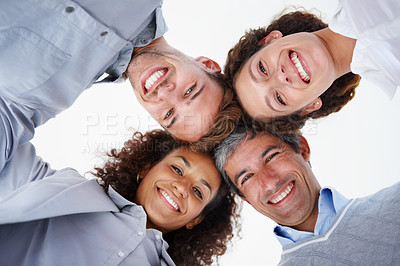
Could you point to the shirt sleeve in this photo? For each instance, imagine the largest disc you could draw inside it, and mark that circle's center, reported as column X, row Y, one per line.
column 17, row 126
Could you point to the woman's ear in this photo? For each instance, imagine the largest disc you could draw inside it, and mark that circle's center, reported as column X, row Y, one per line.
column 142, row 173
column 272, row 36
column 195, row 221
column 314, row 106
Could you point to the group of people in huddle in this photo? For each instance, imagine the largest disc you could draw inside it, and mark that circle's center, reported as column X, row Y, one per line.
column 173, row 196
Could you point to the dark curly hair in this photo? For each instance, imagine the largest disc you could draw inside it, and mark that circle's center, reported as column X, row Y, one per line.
column 206, row 240
column 334, row 98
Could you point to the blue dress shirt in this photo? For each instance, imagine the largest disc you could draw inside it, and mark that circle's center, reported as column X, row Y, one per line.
column 330, row 203
column 52, row 50
column 50, row 217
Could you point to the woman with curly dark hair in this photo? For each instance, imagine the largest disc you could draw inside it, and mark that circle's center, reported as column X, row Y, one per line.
column 152, row 189
column 299, row 68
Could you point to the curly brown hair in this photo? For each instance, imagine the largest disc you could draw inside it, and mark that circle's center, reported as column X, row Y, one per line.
column 206, row 240
column 334, row 98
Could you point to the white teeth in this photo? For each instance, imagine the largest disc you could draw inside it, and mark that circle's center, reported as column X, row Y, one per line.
column 283, row 194
column 153, row 78
column 170, row 201
column 303, row 73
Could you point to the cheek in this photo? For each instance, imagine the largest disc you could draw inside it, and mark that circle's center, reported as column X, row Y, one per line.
column 251, row 193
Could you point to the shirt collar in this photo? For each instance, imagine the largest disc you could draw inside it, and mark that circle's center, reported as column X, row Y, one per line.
column 330, row 203
column 118, row 200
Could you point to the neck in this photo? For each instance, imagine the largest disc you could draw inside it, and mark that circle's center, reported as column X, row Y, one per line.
column 340, row 47
column 157, row 43
column 309, row 224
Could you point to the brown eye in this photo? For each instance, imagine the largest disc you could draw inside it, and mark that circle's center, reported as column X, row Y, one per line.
column 269, row 158
column 247, row 177
column 198, row 193
column 177, row 170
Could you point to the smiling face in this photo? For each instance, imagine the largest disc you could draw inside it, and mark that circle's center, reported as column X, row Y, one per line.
column 276, row 181
column 176, row 90
column 175, row 191
column 287, row 75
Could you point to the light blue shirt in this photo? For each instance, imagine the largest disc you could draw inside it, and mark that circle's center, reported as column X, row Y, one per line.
column 50, row 217
column 330, row 203
column 52, row 50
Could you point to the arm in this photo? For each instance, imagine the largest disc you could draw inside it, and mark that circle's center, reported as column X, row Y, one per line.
column 16, row 128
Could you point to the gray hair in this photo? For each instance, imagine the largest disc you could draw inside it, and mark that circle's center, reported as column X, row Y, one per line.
column 239, row 136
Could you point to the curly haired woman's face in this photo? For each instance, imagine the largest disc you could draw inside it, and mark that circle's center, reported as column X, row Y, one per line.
column 175, row 191
column 287, row 75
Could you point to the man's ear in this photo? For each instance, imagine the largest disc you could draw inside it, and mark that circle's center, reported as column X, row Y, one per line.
column 314, row 106
column 272, row 36
column 195, row 222
column 304, row 148
column 210, row 64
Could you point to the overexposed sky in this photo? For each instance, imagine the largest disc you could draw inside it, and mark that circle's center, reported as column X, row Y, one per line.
column 355, row 150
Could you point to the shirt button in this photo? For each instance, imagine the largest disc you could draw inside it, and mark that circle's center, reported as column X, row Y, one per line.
column 289, row 231
column 121, row 253
column 69, row 9
column 144, row 41
column 140, row 233
column 104, row 33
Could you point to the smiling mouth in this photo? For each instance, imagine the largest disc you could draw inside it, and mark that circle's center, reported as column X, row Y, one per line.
column 152, row 79
column 283, row 195
column 300, row 68
column 169, row 200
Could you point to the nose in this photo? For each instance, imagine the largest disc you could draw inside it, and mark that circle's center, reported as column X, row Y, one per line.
column 181, row 187
column 166, row 92
column 283, row 75
column 268, row 180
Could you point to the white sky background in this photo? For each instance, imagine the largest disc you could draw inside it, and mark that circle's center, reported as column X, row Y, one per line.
column 355, row 150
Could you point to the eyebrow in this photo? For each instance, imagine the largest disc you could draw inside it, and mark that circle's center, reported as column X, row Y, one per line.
column 206, row 184
column 266, row 99
column 239, row 174
column 253, row 77
column 187, row 163
column 172, row 121
column 196, row 94
column 265, row 152
column 188, row 102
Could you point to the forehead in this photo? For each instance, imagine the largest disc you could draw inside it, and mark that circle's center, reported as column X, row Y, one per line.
column 250, row 93
column 257, row 142
column 198, row 164
column 251, row 150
